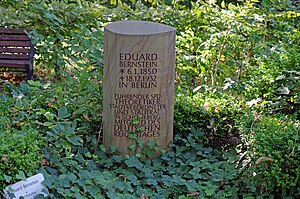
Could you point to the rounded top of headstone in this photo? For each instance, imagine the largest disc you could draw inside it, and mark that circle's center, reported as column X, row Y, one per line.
column 132, row 27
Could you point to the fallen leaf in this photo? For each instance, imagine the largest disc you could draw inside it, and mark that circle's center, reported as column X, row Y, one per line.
column 17, row 123
column 192, row 194
column 4, row 157
column 206, row 106
column 43, row 162
column 263, row 158
column 217, row 110
column 85, row 117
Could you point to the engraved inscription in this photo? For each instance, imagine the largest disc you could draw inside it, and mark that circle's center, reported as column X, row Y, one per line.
column 138, row 70
column 126, row 107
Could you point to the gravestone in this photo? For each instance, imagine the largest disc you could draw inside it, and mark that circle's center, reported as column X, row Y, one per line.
column 138, row 104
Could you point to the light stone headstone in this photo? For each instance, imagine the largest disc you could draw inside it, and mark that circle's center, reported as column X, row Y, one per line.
column 139, row 65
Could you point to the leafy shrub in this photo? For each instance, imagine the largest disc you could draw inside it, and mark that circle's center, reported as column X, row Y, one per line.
column 20, row 142
column 60, row 38
column 287, row 95
column 20, row 152
column 273, row 145
column 40, row 114
column 214, row 113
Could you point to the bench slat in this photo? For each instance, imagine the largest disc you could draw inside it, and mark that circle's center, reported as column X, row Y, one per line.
column 13, row 31
column 14, row 63
column 15, row 43
column 14, row 38
column 14, row 56
column 14, row 50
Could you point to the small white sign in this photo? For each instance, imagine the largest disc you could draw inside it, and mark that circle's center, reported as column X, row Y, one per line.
column 28, row 188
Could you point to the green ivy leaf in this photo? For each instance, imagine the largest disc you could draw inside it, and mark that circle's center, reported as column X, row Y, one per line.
column 112, row 148
column 63, row 113
column 151, row 182
column 195, row 173
column 75, row 140
column 134, row 162
column 208, row 150
column 132, row 136
column 140, row 142
column 21, row 175
column 7, row 178
column 223, row 4
column 102, row 147
column 216, row 177
column 132, row 147
column 148, row 152
column 48, row 124
column 192, row 185
column 151, row 144
column 210, row 189
column 88, row 154
column 138, row 155
column 136, row 120
column 72, row 177
column 178, row 180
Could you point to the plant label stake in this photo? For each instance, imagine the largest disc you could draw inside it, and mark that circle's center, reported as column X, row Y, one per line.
column 138, row 103
column 28, row 188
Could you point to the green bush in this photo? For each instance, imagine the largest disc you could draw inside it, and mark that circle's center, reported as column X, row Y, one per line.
column 273, row 143
column 37, row 115
column 287, row 94
column 19, row 152
column 67, row 35
column 20, row 141
column 213, row 113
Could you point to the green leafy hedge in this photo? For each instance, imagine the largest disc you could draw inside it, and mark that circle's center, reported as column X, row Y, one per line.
column 20, row 142
column 274, row 148
column 214, row 113
column 41, row 114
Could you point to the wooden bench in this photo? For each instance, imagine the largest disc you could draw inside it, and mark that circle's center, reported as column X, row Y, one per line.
column 16, row 51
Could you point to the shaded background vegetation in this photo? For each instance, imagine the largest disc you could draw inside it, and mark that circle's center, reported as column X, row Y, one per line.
column 236, row 102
